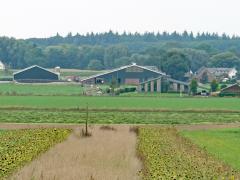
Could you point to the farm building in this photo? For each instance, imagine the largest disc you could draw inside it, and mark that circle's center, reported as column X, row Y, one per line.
column 35, row 74
column 163, row 84
column 2, row 67
column 205, row 75
column 131, row 74
column 233, row 90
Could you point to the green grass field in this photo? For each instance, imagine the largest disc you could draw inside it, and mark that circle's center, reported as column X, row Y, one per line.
column 122, row 102
column 224, row 144
column 40, row 89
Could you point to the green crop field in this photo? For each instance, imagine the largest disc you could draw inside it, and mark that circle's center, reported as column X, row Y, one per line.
column 122, row 102
column 167, row 155
column 18, row 147
column 41, row 116
column 40, row 89
column 224, row 144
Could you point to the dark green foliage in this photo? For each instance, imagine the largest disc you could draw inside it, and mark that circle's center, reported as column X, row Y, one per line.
column 173, row 53
column 223, row 86
column 226, row 59
column 193, row 86
column 214, row 85
column 95, row 65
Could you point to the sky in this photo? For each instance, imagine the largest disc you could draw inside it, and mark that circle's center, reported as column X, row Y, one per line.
column 44, row 18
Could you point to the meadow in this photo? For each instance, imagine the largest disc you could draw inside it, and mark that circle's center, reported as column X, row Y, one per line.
column 40, row 89
column 121, row 102
column 223, row 144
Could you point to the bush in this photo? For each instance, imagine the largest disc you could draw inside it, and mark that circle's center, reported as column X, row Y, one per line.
column 223, row 86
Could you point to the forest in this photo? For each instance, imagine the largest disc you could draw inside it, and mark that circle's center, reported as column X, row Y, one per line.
column 174, row 53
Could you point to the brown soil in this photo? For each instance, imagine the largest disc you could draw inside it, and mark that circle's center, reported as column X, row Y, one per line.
column 105, row 155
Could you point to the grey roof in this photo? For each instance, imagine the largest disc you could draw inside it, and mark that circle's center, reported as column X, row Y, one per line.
column 124, row 67
column 33, row 67
column 169, row 79
column 236, row 84
column 216, row 71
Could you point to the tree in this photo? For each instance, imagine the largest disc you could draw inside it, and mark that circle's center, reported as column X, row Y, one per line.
column 112, row 53
column 214, row 85
column 176, row 64
column 193, row 86
column 226, row 59
column 95, row 65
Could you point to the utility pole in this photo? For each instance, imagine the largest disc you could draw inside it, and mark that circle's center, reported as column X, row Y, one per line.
column 86, row 123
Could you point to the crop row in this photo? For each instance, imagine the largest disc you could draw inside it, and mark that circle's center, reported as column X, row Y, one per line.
column 167, row 155
column 35, row 116
column 18, row 147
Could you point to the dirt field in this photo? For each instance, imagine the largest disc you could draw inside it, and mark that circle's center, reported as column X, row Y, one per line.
column 107, row 154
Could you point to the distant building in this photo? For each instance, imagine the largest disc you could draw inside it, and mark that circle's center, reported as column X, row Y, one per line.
column 35, row 74
column 2, row 66
column 205, row 75
column 131, row 74
column 163, row 84
column 233, row 90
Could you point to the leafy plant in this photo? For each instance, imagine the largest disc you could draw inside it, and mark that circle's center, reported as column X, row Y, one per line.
column 17, row 147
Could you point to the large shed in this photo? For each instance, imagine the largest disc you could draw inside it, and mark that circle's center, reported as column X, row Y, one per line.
column 132, row 74
column 233, row 90
column 34, row 74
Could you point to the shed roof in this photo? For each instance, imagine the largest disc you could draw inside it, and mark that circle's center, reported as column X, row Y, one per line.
column 236, row 84
column 34, row 67
column 124, row 67
column 169, row 79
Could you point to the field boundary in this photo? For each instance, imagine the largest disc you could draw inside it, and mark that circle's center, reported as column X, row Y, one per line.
column 78, row 109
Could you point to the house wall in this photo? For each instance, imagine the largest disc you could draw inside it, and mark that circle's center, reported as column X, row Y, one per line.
column 2, row 67
column 36, row 73
column 232, row 73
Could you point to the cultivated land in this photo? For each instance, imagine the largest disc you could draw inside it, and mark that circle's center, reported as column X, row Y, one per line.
column 167, row 155
column 224, row 144
column 18, row 147
column 41, row 89
column 108, row 154
column 121, row 102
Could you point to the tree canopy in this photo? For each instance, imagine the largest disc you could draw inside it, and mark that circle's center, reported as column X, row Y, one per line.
column 174, row 53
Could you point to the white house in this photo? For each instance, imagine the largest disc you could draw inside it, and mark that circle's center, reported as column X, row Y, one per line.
column 2, row 67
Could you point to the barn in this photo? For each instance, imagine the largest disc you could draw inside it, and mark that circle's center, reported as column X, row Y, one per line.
column 163, row 84
column 131, row 74
column 34, row 74
column 233, row 90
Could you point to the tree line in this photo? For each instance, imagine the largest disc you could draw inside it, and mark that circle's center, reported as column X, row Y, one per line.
column 173, row 53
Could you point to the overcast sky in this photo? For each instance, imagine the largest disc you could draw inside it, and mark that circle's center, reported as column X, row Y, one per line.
column 44, row 18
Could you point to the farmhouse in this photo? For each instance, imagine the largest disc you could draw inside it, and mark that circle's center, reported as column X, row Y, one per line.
column 205, row 75
column 2, row 67
column 233, row 90
column 131, row 74
column 35, row 74
column 163, row 84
